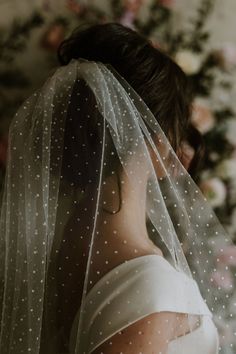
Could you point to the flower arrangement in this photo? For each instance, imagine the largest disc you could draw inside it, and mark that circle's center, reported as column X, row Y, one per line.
column 202, row 65
column 190, row 49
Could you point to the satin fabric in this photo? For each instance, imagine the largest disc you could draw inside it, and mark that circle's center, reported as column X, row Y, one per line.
column 137, row 288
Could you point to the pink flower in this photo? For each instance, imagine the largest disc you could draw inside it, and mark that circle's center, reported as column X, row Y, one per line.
column 158, row 44
column 74, row 6
column 132, row 8
column 202, row 117
column 166, row 3
column 133, row 5
column 53, row 36
column 226, row 56
column 228, row 255
column 127, row 19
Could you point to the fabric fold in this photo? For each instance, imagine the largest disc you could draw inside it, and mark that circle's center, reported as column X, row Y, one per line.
column 132, row 290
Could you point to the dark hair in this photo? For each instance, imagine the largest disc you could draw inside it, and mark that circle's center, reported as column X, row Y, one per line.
column 160, row 82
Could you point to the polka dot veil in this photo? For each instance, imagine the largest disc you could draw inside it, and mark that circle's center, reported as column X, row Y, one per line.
column 92, row 185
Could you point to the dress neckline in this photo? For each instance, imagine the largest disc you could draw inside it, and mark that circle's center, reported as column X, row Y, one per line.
column 200, row 309
column 134, row 260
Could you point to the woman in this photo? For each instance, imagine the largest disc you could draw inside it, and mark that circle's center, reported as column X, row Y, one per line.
column 99, row 214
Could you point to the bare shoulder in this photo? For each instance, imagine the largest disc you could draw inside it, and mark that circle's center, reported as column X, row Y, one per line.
column 148, row 335
column 120, row 253
column 139, row 250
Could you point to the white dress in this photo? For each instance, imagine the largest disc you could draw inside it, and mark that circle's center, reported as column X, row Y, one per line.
column 140, row 287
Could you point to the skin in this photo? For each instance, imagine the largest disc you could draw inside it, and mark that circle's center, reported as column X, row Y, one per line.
column 150, row 335
column 120, row 236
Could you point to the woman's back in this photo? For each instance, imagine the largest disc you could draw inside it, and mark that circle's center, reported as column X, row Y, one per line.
column 114, row 246
column 118, row 248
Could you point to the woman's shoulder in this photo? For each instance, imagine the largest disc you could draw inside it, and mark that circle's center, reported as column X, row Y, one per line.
column 129, row 249
column 112, row 258
column 139, row 250
column 142, row 287
column 150, row 273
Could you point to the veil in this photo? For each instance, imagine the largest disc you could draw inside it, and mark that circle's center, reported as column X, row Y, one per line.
column 92, row 183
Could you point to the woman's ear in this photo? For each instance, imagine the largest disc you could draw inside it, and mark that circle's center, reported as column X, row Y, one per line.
column 186, row 153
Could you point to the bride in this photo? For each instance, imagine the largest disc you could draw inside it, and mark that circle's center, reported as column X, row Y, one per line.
column 107, row 244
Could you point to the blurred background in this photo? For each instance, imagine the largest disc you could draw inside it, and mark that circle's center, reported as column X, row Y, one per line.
column 198, row 34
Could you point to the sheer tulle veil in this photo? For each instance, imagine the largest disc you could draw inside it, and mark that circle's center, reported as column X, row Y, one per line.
column 76, row 147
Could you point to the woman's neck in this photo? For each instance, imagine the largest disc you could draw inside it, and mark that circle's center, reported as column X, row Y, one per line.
column 124, row 210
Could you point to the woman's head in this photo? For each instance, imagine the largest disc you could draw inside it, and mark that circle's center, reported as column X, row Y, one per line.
column 158, row 80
